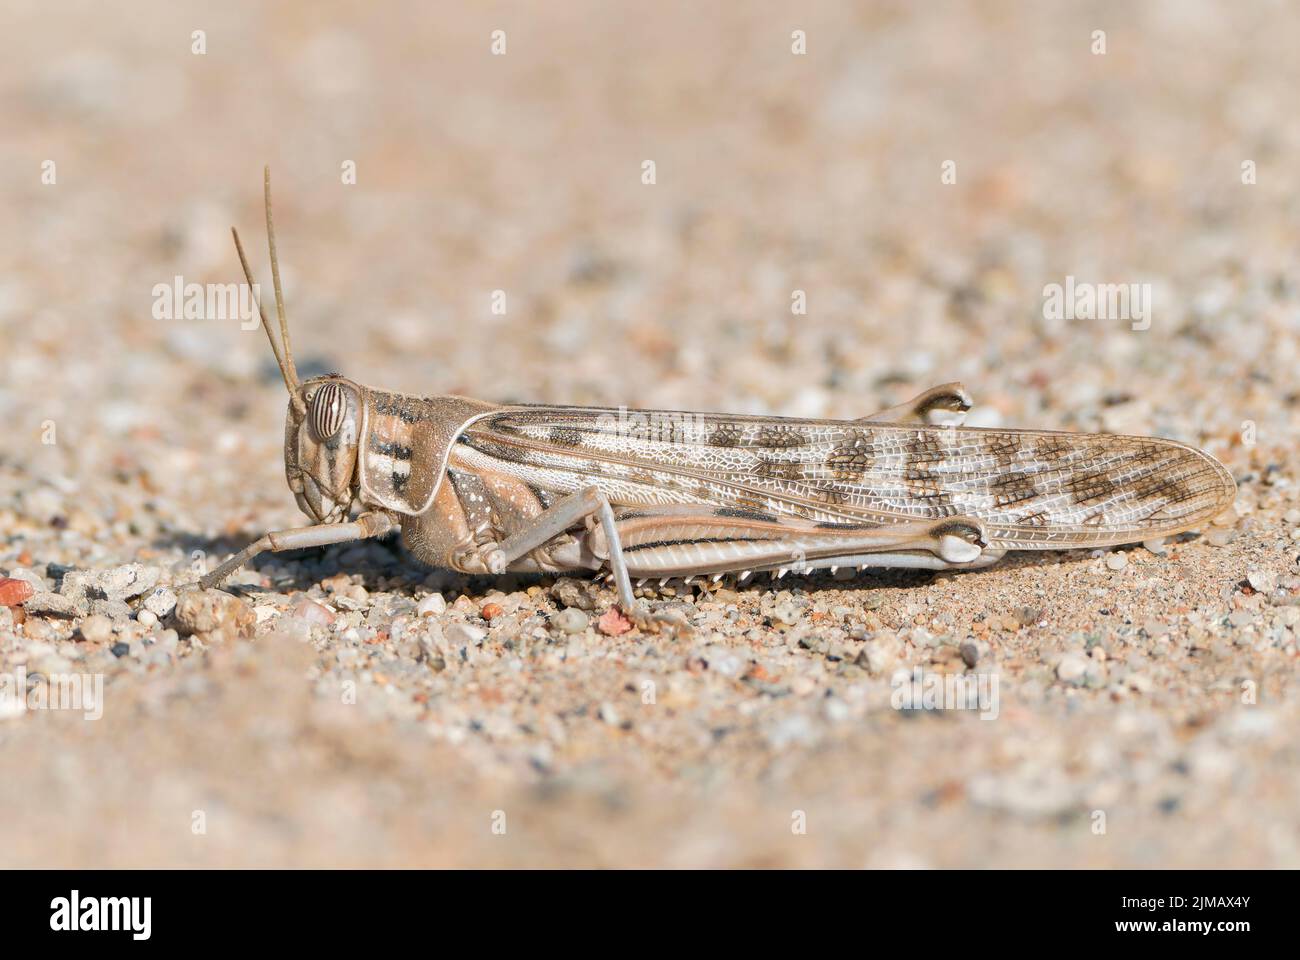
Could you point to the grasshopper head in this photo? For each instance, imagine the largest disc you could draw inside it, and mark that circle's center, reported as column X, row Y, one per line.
column 320, row 447
column 321, row 429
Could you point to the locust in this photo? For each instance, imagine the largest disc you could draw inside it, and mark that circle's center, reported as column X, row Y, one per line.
column 486, row 488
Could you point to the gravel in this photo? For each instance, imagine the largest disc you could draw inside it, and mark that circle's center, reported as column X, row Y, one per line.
column 161, row 602
column 571, row 620
column 431, row 606
column 54, row 605
column 96, row 629
column 14, row 592
column 213, row 612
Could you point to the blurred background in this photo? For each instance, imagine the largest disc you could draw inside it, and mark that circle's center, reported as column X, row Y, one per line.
column 920, row 173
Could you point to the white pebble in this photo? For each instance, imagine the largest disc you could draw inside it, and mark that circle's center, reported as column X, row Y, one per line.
column 161, row 602
column 571, row 620
column 465, row 635
column 1116, row 561
column 1072, row 668
column 97, row 629
column 28, row 576
column 1262, row 581
column 313, row 612
column 127, row 581
column 431, row 606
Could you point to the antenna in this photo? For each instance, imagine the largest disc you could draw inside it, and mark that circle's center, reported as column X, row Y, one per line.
column 283, row 358
column 292, row 370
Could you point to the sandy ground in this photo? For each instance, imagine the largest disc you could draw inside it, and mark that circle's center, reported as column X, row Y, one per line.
column 338, row 713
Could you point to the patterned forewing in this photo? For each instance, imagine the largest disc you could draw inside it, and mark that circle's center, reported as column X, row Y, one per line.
column 1032, row 489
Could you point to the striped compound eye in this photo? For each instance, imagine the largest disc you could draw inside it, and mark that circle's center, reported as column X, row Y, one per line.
column 328, row 408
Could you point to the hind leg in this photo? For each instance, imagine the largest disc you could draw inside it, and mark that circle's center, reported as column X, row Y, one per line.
column 947, row 403
column 690, row 541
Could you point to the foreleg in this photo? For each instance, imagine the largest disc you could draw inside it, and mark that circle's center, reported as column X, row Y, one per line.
column 363, row 528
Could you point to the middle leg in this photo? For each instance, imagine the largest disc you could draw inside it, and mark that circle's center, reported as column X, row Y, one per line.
column 589, row 507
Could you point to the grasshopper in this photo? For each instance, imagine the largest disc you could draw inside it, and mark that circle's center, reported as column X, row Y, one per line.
column 484, row 488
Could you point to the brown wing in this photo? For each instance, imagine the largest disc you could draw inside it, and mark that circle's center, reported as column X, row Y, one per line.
column 1032, row 489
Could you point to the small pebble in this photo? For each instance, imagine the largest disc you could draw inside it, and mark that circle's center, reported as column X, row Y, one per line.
column 53, row 605
column 879, row 654
column 310, row 611
column 161, row 602
column 76, row 585
column 1262, row 581
column 31, row 576
column 1028, row 616
column 13, row 592
column 121, row 649
column 210, row 611
column 582, row 594
column 1072, row 668
column 1156, row 546
column 491, row 611
column 431, row 606
column 96, row 628
column 293, row 628
column 113, row 609
column 613, row 623
column 571, row 620
column 127, row 581
column 1116, row 561
column 465, row 635
column 786, row 613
